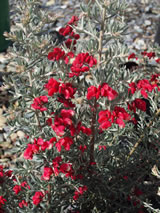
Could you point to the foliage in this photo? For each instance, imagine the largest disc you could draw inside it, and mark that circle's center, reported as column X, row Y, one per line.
column 91, row 124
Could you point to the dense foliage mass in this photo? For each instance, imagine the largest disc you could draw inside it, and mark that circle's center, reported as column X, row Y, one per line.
column 89, row 109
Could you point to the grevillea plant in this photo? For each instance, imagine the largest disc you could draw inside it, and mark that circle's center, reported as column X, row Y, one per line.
column 91, row 124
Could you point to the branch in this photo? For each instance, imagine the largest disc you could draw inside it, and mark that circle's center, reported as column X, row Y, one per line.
column 143, row 135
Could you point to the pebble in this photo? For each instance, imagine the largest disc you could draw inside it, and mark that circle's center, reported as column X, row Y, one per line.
column 147, row 22
column 13, row 137
column 138, row 29
column 139, row 44
column 20, row 134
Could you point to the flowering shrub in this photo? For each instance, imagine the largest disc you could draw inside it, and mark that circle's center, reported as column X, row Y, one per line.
column 91, row 125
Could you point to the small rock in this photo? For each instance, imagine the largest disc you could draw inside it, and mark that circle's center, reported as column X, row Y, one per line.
column 138, row 29
column 13, row 137
column 1, row 138
column 147, row 22
column 20, row 134
column 139, row 44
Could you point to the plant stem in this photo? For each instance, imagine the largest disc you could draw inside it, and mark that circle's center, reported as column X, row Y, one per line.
column 101, row 37
column 49, row 198
column 93, row 132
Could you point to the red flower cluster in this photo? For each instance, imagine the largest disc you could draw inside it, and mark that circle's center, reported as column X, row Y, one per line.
column 4, row 174
column 148, row 54
column 66, row 91
column 39, row 102
column 73, row 20
column 18, row 188
column 2, row 201
column 69, row 32
column 155, row 81
column 52, row 86
column 79, row 192
column 23, row 203
column 47, row 173
column 56, row 55
column 37, row 198
column 82, row 63
column 56, row 163
column 38, row 145
column 64, row 168
column 143, row 85
column 106, row 118
column 132, row 55
column 103, row 90
column 76, row 130
column 63, row 121
column 66, row 142
column 137, row 104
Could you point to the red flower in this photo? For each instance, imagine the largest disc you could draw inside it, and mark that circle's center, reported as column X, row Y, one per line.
column 66, row 102
column 60, row 123
column 30, row 150
column 102, row 147
column 69, row 41
column 86, row 130
column 80, row 192
column 67, row 90
column 132, row 55
column 68, row 56
column 49, row 121
column 82, row 148
column 37, row 198
column 120, row 115
column 144, row 53
column 76, row 36
column 23, row 203
column 65, row 30
column 1, row 171
column 158, row 60
column 139, row 104
column 17, row 189
column 104, row 119
column 144, row 86
column 151, row 55
column 66, row 142
column 108, row 92
column 47, row 173
column 8, row 173
column 67, row 113
column 56, row 55
column 2, row 200
column 93, row 92
column 52, row 86
column 90, row 60
column 80, row 62
column 66, row 168
column 25, row 185
column 132, row 88
column 39, row 102
column 73, row 20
